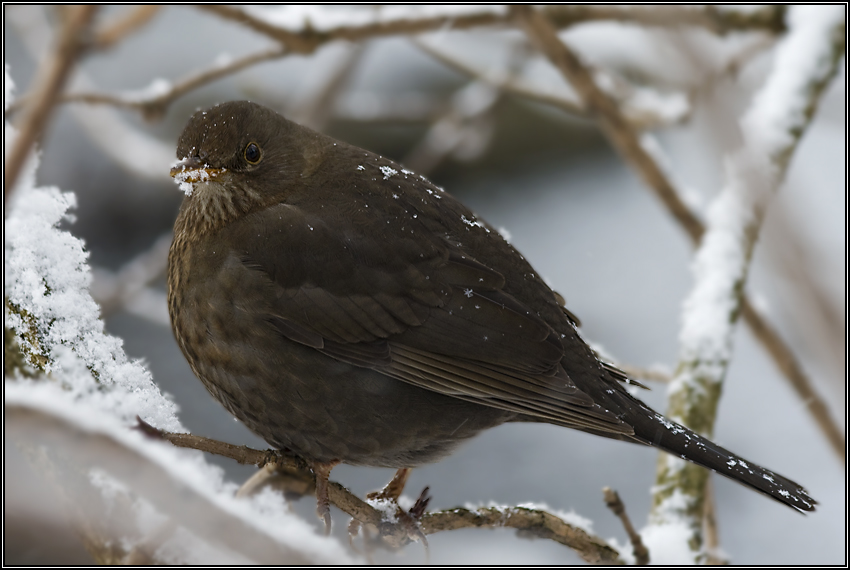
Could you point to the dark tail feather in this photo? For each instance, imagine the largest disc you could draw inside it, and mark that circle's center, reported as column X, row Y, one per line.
column 656, row 430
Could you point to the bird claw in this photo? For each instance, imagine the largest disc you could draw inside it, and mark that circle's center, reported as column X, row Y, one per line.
column 386, row 500
column 323, row 503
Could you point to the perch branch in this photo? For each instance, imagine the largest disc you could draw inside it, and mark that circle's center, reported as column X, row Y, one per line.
column 536, row 522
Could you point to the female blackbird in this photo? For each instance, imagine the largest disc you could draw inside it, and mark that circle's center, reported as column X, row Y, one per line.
column 350, row 310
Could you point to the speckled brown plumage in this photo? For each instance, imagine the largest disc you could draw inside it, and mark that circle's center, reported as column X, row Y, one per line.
column 348, row 309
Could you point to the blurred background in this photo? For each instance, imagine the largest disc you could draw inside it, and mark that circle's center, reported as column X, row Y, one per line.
column 482, row 114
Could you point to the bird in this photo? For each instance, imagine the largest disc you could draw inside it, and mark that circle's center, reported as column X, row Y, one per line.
column 347, row 309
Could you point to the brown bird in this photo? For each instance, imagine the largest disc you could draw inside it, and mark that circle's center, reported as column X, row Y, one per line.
column 350, row 310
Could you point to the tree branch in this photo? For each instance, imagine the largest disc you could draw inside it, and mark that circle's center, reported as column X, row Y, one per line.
column 640, row 117
column 613, row 502
column 154, row 106
column 299, row 478
column 772, row 127
column 308, row 38
column 628, row 143
column 604, row 109
column 52, row 76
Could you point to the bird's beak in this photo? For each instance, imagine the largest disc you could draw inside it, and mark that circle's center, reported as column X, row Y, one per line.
column 193, row 169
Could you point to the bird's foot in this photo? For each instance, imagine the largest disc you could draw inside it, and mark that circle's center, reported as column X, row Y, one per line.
column 393, row 490
column 386, row 500
column 323, row 503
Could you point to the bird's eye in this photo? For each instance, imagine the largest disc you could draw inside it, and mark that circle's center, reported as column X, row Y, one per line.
column 253, row 154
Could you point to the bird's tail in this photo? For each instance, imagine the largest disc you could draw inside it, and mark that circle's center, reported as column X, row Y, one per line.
column 654, row 429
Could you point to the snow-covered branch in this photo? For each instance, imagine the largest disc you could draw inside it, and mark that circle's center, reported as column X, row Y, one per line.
column 80, row 407
column 305, row 28
column 806, row 61
column 641, row 152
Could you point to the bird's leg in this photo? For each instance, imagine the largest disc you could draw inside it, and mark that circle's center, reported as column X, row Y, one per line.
column 410, row 519
column 393, row 490
column 323, row 508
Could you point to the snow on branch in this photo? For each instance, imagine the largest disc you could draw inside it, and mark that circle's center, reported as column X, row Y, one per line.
column 806, row 61
column 172, row 493
column 305, row 28
column 291, row 474
column 636, row 150
column 75, row 416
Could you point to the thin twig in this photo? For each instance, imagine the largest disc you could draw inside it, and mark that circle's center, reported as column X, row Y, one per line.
column 627, row 142
column 613, row 502
column 639, row 117
column 792, row 369
column 155, row 107
column 468, row 117
column 536, row 522
column 53, row 74
column 792, row 255
column 506, row 84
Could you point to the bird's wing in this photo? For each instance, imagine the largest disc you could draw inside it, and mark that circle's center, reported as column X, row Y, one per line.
column 414, row 309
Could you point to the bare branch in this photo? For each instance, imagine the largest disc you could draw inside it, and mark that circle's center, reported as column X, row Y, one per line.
column 506, row 84
column 539, row 524
column 154, row 107
column 627, row 142
column 602, row 107
column 792, row 369
column 309, row 39
column 466, row 124
column 613, row 502
column 715, row 19
column 52, row 76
